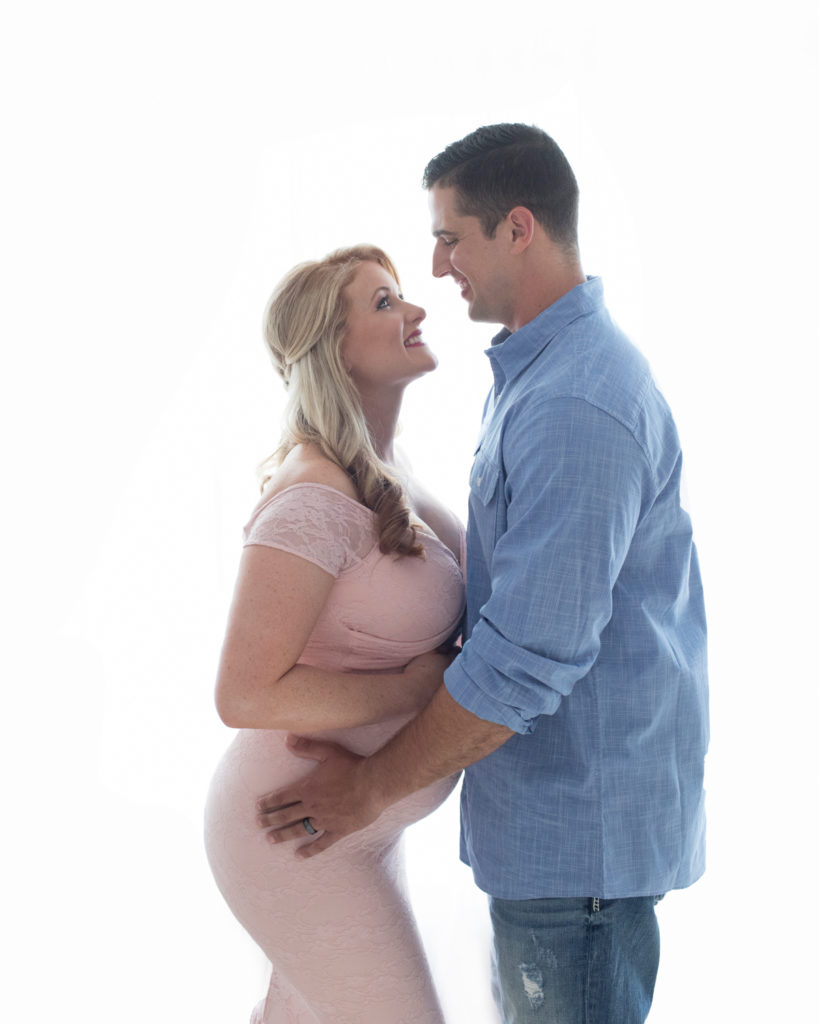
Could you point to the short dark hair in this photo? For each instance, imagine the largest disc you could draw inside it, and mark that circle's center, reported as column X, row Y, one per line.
column 500, row 166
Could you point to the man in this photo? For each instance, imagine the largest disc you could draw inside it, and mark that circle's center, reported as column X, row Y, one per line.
column 579, row 701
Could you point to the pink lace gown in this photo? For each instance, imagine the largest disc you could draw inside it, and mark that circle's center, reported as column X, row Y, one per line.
column 337, row 928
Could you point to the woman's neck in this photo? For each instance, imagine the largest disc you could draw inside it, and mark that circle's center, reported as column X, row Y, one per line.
column 381, row 413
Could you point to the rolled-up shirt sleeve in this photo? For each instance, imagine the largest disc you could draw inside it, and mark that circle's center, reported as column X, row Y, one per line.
column 570, row 482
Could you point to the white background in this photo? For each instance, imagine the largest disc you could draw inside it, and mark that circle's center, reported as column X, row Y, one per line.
column 164, row 164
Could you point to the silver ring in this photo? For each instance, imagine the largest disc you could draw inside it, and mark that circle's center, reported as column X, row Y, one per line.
column 308, row 827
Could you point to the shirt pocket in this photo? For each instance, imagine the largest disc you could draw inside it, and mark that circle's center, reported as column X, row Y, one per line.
column 484, row 500
column 483, row 480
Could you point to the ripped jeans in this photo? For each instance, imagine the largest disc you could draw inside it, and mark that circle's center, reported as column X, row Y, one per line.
column 575, row 961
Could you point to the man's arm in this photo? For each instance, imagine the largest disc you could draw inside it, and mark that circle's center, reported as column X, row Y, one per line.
column 562, row 499
column 348, row 792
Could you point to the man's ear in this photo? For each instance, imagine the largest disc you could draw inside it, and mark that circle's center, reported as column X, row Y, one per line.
column 522, row 226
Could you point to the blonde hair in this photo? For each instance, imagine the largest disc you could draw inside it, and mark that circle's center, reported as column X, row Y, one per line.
column 304, row 326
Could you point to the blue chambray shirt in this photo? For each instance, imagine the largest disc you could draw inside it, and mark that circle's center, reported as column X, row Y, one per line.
column 585, row 622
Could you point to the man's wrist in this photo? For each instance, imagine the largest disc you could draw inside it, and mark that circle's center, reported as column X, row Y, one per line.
column 380, row 782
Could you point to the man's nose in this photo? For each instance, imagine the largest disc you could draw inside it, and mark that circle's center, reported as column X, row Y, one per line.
column 440, row 260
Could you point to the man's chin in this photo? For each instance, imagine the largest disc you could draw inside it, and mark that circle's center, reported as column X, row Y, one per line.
column 479, row 315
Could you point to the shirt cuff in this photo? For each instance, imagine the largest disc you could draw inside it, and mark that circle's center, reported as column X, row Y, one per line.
column 515, row 699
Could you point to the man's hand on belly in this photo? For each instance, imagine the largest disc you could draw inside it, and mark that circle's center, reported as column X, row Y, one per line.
column 348, row 792
column 337, row 799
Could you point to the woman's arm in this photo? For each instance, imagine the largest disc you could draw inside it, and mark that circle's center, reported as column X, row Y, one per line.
column 260, row 685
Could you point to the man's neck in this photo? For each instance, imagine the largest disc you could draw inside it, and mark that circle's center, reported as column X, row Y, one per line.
column 537, row 293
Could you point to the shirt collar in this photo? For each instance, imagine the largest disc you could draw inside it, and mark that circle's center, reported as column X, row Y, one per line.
column 512, row 352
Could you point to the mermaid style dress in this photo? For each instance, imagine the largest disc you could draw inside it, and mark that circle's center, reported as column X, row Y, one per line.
column 337, row 928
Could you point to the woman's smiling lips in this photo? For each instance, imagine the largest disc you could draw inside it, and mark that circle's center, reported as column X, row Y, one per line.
column 413, row 340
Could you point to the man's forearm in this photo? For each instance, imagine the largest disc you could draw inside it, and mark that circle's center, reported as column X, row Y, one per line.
column 444, row 738
column 346, row 792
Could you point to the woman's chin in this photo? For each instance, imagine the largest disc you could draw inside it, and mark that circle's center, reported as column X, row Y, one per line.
column 430, row 362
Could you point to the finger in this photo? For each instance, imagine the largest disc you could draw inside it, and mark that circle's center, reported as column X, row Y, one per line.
column 287, row 833
column 314, row 849
column 313, row 749
column 281, row 817
column 277, row 801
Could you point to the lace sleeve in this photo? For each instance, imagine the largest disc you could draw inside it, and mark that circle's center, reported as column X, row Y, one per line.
column 315, row 522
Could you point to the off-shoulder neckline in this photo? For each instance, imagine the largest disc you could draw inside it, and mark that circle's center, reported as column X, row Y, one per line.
column 426, row 532
column 324, row 487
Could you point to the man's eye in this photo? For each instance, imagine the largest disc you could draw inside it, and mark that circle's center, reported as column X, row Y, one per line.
column 449, row 242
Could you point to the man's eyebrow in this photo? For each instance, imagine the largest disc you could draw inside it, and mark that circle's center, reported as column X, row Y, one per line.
column 441, row 231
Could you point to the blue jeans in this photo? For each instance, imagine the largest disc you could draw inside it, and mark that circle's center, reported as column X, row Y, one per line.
column 575, row 961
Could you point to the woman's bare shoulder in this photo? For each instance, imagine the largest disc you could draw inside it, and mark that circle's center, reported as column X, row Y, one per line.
column 305, row 464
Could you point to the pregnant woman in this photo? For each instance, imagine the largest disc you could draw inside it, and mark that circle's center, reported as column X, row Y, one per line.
column 349, row 573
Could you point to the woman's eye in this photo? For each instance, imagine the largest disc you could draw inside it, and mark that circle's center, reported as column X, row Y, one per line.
column 384, row 303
